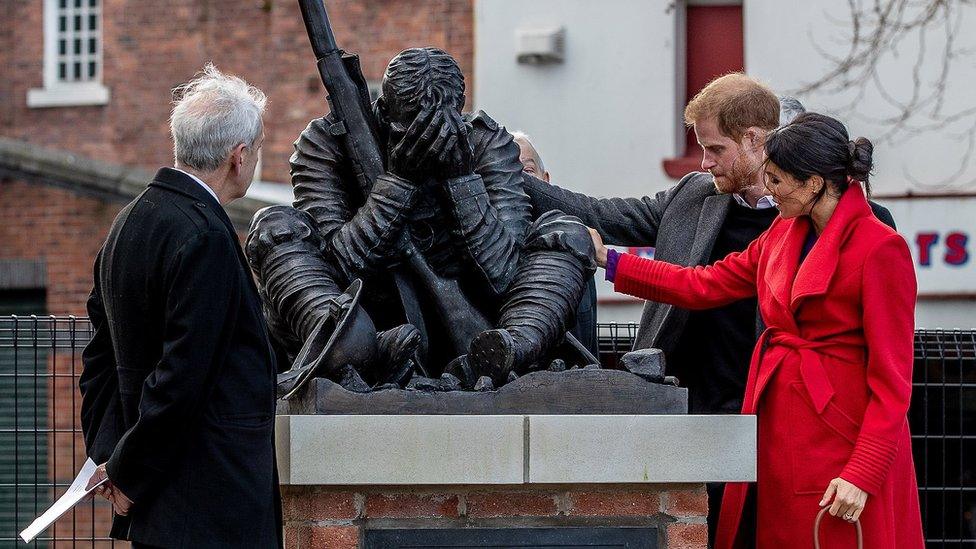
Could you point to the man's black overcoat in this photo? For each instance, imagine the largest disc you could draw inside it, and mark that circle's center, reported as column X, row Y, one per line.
column 178, row 381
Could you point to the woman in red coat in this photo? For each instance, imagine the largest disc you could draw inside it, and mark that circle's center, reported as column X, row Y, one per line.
column 830, row 378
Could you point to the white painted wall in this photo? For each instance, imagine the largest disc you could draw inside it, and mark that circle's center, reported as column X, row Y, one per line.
column 782, row 42
column 601, row 119
column 606, row 117
column 945, row 314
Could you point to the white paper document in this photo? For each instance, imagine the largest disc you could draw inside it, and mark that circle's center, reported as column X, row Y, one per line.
column 75, row 493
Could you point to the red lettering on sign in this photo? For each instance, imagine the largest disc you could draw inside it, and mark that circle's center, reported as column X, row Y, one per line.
column 925, row 242
column 956, row 253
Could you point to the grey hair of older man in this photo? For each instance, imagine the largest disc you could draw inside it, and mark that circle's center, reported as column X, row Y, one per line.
column 530, row 157
column 789, row 108
column 213, row 114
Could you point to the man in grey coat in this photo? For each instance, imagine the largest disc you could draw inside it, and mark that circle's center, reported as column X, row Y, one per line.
column 703, row 218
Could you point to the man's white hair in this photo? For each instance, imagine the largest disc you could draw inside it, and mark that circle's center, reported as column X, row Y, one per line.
column 212, row 114
column 789, row 108
column 520, row 135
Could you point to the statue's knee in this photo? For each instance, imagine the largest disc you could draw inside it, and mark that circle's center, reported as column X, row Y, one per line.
column 276, row 227
column 557, row 231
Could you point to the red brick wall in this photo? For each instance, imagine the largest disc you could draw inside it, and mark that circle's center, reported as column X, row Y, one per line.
column 150, row 47
column 6, row 62
column 336, row 517
column 60, row 227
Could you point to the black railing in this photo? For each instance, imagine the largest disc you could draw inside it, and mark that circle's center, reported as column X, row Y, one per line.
column 41, row 446
column 943, row 421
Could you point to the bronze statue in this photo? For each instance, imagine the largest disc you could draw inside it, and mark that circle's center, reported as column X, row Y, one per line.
column 425, row 205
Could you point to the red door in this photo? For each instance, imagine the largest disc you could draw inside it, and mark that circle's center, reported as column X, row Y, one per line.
column 713, row 48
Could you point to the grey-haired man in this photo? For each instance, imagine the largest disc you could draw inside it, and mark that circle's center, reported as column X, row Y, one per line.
column 178, row 387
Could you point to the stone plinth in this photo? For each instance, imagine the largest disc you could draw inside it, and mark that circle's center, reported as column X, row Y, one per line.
column 349, row 479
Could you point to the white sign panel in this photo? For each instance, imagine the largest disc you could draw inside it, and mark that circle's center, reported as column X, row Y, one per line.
column 940, row 233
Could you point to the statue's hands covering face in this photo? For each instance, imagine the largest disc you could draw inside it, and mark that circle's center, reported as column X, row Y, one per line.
column 435, row 145
column 407, row 153
column 450, row 155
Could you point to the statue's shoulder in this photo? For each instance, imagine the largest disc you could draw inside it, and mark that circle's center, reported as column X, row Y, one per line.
column 480, row 119
column 318, row 135
column 486, row 134
column 319, row 126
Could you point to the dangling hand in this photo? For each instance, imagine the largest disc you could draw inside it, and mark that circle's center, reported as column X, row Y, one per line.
column 848, row 500
column 120, row 503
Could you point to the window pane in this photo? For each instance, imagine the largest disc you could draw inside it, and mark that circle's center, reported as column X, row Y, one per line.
column 77, row 71
column 91, row 69
column 92, row 22
column 93, row 3
column 77, row 46
column 77, row 3
column 92, row 46
column 63, row 4
column 62, row 71
column 62, row 46
column 77, row 23
column 62, row 23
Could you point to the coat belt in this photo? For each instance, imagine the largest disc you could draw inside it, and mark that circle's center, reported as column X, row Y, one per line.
column 776, row 344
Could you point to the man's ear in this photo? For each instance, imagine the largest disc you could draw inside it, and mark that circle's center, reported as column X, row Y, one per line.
column 545, row 176
column 237, row 158
column 754, row 138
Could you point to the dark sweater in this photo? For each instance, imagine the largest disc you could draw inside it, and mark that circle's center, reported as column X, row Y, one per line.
column 712, row 356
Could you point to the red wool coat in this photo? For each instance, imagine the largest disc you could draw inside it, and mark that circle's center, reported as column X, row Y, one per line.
column 830, row 378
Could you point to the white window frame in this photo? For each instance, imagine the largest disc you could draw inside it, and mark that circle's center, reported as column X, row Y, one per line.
column 56, row 93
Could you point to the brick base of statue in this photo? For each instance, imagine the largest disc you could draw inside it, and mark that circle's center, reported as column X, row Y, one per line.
column 669, row 516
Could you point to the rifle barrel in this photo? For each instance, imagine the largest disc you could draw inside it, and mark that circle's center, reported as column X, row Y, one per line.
column 318, row 26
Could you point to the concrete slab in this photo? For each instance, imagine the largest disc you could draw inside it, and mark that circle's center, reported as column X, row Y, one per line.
column 627, row 449
column 400, row 450
column 514, row 449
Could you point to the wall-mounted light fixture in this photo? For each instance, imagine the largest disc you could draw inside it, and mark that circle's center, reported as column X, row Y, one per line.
column 540, row 45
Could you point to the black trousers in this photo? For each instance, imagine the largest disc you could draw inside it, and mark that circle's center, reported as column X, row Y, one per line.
column 715, row 491
column 747, row 529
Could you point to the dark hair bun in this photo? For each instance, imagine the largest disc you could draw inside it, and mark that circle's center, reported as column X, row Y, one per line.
column 860, row 163
column 816, row 144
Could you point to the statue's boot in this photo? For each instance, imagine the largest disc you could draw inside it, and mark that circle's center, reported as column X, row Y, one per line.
column 397, row 348
column 557, row 260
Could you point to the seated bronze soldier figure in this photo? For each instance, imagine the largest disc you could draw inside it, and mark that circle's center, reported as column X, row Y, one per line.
column 451, row 205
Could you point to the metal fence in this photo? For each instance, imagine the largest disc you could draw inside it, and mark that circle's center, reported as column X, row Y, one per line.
column 943, row 421
column 41, row 446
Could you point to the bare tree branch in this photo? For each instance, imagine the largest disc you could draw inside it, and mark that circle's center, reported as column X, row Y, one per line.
column 877, row 31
